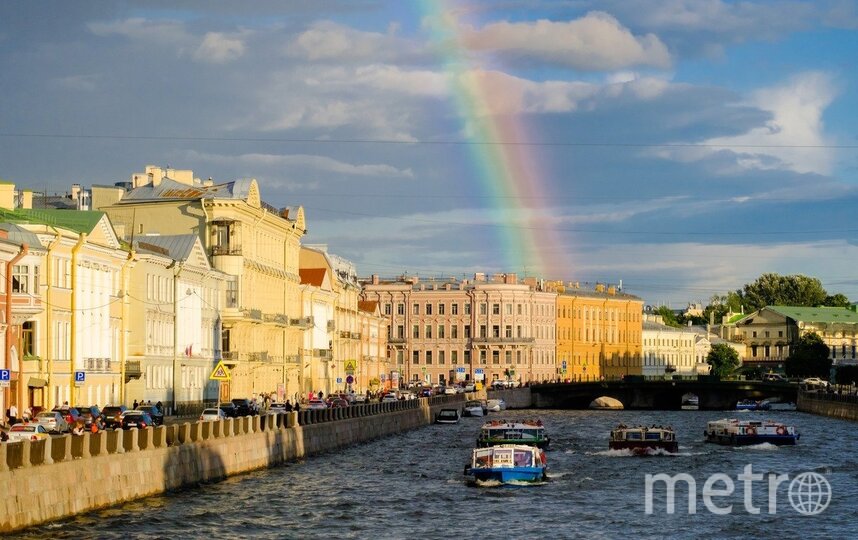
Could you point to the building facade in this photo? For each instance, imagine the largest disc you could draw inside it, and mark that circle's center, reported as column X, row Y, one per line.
column 598, row 333
column 485, row 329
column 668, row 350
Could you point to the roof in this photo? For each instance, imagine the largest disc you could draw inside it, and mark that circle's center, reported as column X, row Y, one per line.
column 596, row 294
column 80, row 221
column 169, row 189
column 369, row 306
column 312, row 276
column 177, row 247
column 19, row 235
column 816, row 314
column 649, row 325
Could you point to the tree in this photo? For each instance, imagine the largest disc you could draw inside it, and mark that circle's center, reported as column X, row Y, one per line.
column 667, row 315
column 723, row 358
column 837, row 300
column 777, row 290
column 719, row 306
column 809, row 358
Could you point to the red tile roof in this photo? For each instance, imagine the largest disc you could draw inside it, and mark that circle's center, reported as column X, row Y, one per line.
column 312, row 276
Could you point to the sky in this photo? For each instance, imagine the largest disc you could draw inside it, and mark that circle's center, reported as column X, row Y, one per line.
column 680, row 147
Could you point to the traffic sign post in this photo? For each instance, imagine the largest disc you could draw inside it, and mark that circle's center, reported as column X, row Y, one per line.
column 79, row 378
column 5, row 377
column 220, row 372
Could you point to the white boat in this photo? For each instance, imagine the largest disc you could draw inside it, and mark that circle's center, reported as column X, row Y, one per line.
column 690, row 402
column 507, row 463
column 473, row 407
column 496, row 405
column 447, row 416
column 530, row 432
column 744, row 432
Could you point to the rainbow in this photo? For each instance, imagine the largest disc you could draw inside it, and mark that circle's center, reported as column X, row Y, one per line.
column 511, row 176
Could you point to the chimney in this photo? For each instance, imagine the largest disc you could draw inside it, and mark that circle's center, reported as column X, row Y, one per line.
column 209, row 182
column 375, row 279
column 612, row 290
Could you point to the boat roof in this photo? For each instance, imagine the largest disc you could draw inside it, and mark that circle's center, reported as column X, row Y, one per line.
column 523, row 447
column 504, row 424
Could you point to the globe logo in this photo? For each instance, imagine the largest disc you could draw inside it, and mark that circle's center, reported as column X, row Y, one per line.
column 809, row 493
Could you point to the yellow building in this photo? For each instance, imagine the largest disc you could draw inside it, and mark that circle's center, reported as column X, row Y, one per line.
column 598, row 333
column 255, row 243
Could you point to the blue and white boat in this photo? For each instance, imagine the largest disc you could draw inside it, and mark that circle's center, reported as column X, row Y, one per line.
column 752, row 405
column 507, row 463
column 746, row 432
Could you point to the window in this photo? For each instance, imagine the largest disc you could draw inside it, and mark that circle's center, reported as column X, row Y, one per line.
column 467, row 331
column 508, row 331
column 483, row 357
column 454, row 309
column 415, row 331
column 454, row 357
column 441, row 359
column 416, row 309
column 467, row 308
column 387, row 309
column 495, row 309
column 441, row 309
column 496, row 331
column 496, row 357
column 441, row 331
column 28, row 338
column 780, row 333
column 428, row 331
column 231, row 294
column 428, row 309
column 484, row 309
column 508, row 357
column 519, row 308
column 20, row 277
column 400, row 309
column 415, row 357
column 509, row 309
column 400, row 331
column 482, row 331
column 428, row 357
column 467, row 357
column 454, row 331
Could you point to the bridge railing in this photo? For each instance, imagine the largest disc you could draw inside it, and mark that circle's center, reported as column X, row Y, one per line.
column 846, row 395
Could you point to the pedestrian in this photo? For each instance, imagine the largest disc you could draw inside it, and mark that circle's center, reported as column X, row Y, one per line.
column 288, row 406
column 28, row 414
column 13, row 415
column 78, row 429
column 321, row 394
column 297, row 407
column 134, row 405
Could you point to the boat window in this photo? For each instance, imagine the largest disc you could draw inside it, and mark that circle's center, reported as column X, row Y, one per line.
column 653, row 435
column 633, row 435
column 502, row 457
column 522, row 459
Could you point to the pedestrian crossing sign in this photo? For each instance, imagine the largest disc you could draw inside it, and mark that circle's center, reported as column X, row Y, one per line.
column 220, row 373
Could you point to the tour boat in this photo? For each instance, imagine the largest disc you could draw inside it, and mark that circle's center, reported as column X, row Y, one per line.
column 643, row 440
column 496, row 405
column 507, row 463
column 744, row 432
column 447, row 416
column 474, row 407
column 690, row 403
column 752, row 405
column 530, row 432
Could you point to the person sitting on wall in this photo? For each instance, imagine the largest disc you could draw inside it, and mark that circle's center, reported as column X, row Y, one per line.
column 78, row 429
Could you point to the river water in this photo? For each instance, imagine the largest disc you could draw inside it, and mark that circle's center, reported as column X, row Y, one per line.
column 411, row 486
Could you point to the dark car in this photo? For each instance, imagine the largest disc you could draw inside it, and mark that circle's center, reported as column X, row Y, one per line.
column 136, row 419
column 70, row 414
column 229, row 409
column 153, row 410
column 244, row 407
column 88, row 414
column 111, row 414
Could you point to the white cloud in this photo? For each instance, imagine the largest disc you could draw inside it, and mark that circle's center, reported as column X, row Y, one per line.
column 792, row 139
column 316, row 162
column 328, row 40
column 594, row 42
column 218, row 48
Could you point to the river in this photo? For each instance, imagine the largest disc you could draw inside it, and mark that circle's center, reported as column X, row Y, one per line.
column 410, row 486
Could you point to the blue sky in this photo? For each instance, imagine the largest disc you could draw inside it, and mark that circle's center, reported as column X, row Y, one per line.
column 685, row 146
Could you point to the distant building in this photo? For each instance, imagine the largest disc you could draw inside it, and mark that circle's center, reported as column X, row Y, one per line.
column 668, row 350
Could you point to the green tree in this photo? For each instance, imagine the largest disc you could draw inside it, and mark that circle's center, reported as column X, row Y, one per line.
column 668, row 316
column 837, row 300
column 720, row 305
column 809, row 358
column 777, row 290
column 723, row 358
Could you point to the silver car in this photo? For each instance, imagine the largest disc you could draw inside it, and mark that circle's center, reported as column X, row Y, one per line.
column 52, row 421
column 212, row 415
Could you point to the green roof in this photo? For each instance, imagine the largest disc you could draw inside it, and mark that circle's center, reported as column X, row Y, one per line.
column 817, row 314
column 736, row 317
column 79, row 221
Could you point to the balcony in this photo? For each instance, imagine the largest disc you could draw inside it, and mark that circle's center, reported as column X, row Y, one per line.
column 255, row 314
column 97, row 365
column 502, row 340
column 305, row 322
column 261, row 356
column 226, row 250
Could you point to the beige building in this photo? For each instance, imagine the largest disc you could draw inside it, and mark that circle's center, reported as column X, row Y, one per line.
column 254, row 243
column 173, row 321
column 598, row 332
column 447, row 331
column 769, row 333
column 668, row 350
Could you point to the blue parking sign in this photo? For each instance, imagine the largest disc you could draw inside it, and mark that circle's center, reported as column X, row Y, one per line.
column 5, row 375
column 79, row 376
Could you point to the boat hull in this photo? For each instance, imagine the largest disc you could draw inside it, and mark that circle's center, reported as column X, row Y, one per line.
column 474, row 412
column 508, row 474
column 748, row 440
column 644, row 448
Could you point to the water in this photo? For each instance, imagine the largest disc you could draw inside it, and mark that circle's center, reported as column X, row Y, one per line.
column 411, row 486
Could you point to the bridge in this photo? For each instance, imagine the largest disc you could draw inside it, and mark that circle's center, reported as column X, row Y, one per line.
column 660, row 395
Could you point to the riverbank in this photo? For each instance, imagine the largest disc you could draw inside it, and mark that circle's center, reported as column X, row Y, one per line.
column 841, row 406
column 64, row 476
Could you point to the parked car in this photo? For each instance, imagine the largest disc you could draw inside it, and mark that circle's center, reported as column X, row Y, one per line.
column 229, row 409
column 470, row 387
column 27, row 432
column 212, row 415
column 70, row 414
column 88, row 414
column 153, row 410
column 136, row 419
column 774, row 377
column 317, row 404
column 111, row 416
column 451, row 390
column 244, row 407
column 389, row 397
column 814, row 381
column 53, row 421
column 337, row 403
column 425, row 392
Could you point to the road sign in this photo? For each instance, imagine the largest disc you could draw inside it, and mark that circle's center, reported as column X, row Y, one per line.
column 220, row 372
column 460, row 370
column 479, row 374
column 564, row 364
column 5, row 375
column 351, row 365
column 339, row 380
column 349, row 379
column 79, row 378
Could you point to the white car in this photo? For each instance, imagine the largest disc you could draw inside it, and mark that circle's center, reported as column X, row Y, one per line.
column 450, row 391
column 814, row 381
column 389, row 398
column 317, row 404
column 52, row 421
column 470, row 387
column 27, row 432
column 212, row 415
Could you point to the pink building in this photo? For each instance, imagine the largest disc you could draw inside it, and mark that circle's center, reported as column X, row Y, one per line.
column 448, row 330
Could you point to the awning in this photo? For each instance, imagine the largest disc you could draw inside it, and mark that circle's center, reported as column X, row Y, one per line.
column 37, row 383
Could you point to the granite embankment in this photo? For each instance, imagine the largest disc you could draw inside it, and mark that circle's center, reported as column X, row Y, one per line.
column 63, row 476
column 843, row 406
